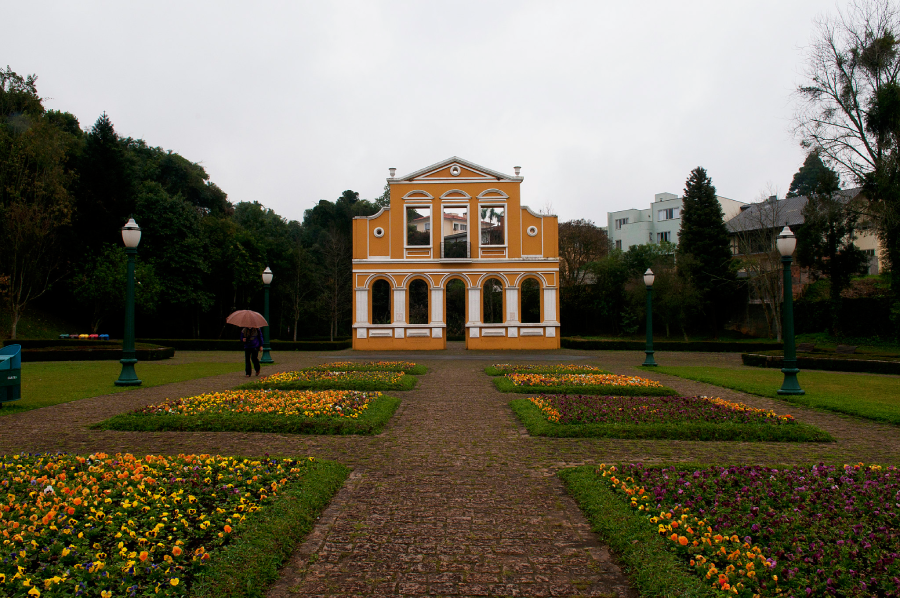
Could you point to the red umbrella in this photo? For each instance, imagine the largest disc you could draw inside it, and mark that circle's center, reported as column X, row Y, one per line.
column 246, row 318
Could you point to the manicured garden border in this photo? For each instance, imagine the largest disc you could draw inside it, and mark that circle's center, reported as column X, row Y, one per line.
column 659, row 345
column 219, row 344
column 642, row 552
column 504, row 384
column 537, row 425
column 833, row 364
column 269, row 536
column 371, row 421
column 417, row 370
column 493, row 371
column 407, row 382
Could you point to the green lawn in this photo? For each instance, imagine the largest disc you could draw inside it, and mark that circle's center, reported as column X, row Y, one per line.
column 864, row 395
column 53, row 382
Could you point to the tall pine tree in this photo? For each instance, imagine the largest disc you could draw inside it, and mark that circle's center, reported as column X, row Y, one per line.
column 704, row 253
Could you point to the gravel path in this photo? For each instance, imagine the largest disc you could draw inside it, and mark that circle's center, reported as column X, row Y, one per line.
column 453, row 498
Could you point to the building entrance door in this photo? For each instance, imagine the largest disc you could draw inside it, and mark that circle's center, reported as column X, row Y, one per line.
column 456, row 310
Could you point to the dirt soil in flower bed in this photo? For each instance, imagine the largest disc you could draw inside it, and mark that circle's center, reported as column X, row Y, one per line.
column 454, row 496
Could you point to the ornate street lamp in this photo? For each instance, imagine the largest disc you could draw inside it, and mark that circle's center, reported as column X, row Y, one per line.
column 131, row 235
column 649, row 277
column 786, row 243
column 267, row 280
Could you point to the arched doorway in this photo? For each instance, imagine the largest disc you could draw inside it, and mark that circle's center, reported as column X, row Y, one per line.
column 492, row 301
column 381, row 302
column 456, row 310
column 531, row 301
column 418, row 302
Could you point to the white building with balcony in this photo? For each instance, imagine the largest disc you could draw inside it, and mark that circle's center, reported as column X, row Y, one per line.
column 661, row 222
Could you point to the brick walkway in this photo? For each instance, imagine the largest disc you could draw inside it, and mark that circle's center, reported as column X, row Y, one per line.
column 453, row 498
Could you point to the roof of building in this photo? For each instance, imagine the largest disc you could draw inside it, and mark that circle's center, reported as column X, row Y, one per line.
column 777, row 213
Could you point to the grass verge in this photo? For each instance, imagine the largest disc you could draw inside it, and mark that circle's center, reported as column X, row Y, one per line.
column 407, row 382
column 538, row 425
column 652, row 568
column 51, row 383
column 862, row 395
column 504, row 384
column 371, row 421
column 251, row 563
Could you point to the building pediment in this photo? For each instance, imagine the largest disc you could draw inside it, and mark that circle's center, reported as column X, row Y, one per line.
column 456, row 169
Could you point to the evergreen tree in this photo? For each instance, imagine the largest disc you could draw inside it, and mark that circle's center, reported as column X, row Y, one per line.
column 704, row 253
column 825, row 241
column 807, row 178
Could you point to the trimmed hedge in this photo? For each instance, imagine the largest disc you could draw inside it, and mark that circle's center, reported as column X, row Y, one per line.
column 654, row 570
column 88, row 351
column 372, row 421
column 699, row 346
column 537, row 425
column 233, row 344
column 869, row 366
column 504, row 384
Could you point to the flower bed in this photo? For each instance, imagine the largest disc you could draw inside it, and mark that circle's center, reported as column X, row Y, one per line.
column 126, row 526
column 290, row 411
column 500, row 369
column 745, row 531
column 407, row 367
column 309, row 379
column 594, row 384
column 688, row 418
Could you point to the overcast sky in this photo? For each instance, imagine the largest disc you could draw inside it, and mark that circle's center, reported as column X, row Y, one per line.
column 602, row 103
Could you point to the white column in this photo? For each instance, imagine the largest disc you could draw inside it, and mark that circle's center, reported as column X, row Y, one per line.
column 474, row 310
column 362, row 306
column 550, row 305
column 512, row 306
column 399, row 306
column 474, row 305
column 437, row 305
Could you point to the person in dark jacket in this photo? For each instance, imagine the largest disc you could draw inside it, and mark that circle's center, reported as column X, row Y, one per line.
column 252, row 340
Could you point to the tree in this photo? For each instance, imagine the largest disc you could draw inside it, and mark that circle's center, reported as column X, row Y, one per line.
column 825, row 241
column 384, row 200
column 704, row 254
column 755, row 230
column 35, row 204
column 580, row 242
column 807, row 178
column 849, row 108
column 100, row 279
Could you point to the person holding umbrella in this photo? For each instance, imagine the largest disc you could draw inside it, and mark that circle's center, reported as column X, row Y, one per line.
column 251, row 336
column 252, row 340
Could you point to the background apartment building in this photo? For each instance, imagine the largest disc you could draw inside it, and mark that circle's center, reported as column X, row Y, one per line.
column 661, row 222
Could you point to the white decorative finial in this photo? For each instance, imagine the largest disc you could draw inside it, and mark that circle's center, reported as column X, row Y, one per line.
column 392, row 171
column 518, row 168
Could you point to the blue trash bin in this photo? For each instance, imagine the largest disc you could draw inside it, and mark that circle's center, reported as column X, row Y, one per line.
column 10, row 373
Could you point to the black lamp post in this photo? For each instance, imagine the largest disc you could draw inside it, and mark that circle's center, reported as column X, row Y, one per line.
column 786, row 243
column 649, row 277
column 267, row 280
column 131, row 235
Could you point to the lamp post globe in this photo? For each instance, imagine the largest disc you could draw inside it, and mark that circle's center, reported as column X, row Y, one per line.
column 649, row 277
column 267, row 277
column 786, row 243
column 131, row 236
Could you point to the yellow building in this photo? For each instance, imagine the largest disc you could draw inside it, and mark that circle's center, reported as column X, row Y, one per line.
column 489, row 271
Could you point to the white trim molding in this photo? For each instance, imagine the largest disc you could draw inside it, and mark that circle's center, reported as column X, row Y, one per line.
column 418, row 194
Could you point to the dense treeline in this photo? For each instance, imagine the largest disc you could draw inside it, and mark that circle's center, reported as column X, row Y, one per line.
column 65, row 194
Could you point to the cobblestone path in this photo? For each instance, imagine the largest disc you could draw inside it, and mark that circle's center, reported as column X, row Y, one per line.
column 453, row 498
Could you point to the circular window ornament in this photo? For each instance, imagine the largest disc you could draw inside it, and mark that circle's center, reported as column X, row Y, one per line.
column 379, row 232
column 532, row 231
column 455, row 170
